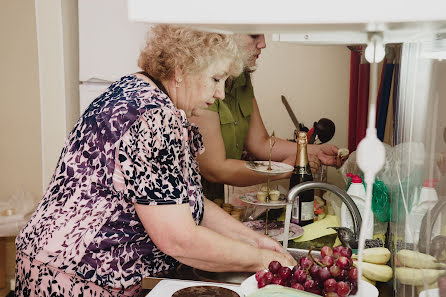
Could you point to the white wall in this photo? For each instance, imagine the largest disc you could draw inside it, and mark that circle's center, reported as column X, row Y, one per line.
column 20, row 149
column 315, row 81
column 58, row 57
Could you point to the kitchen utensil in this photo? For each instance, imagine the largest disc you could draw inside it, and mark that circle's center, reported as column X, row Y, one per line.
column 291, row 113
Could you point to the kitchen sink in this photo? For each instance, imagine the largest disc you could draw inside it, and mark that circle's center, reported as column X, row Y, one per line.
column 239, row 277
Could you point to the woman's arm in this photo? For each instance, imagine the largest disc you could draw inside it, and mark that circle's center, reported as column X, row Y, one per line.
column 175, row 233
column 215, row 218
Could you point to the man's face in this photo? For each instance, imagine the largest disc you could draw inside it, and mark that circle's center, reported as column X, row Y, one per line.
column 251, row 46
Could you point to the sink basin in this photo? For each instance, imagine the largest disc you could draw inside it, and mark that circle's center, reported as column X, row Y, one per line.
column 239, row 277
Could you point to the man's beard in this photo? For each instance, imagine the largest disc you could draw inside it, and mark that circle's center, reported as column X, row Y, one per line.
column 251, row 61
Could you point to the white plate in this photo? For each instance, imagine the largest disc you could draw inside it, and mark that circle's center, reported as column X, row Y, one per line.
column 275, row 229
column 167, row 287
column 249, row 286
column 251, row 198
column 430, row 293
column 262, row 167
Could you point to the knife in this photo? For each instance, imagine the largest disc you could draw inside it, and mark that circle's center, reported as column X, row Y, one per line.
column 291, row 113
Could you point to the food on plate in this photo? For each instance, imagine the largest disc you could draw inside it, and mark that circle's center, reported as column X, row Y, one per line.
column 326, row 276
column 274, row 195
column 205, row 291
column 417, row 277
column 261, row 196
column 376, row 255
column 377, row 272
column 415, row 259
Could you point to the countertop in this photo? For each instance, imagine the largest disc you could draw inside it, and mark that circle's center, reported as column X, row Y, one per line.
column 185, row 272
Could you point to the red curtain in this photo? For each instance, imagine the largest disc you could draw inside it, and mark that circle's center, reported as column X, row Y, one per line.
column 358, row 100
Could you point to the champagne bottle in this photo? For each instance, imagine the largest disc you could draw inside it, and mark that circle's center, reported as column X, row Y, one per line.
column 303, row 210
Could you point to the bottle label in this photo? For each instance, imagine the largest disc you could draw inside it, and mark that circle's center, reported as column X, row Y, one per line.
column 303, row 171
column 307, row 212
column 295, row 211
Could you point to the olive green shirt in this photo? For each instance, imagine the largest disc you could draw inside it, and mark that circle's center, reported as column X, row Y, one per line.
column 235, row 114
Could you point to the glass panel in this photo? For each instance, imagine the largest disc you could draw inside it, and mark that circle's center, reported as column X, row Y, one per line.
column 416, row 167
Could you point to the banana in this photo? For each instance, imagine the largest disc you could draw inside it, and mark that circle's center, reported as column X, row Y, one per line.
column 415, row 259
column 377, row 272
column 378, row 255
column 417, row 277
column 369, row 280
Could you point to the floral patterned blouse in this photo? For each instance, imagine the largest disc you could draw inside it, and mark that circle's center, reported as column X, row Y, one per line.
column 85, row 224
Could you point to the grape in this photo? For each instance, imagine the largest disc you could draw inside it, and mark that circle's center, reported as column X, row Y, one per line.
column 316, row 291
column 343, row 275
column 331, row 294
column 343, row 289
column 354, row 286
column 337, row 251
column 268, row 277
column 335, row 271
column 343, row 262
column 323, row 274
column 274, row 266
column 300, row 276
column 326, row 251
column 346, row 252
column 353, row 274
column 261, row 283
column 278, row 281
column 305, row 262
column 284, row 273
column 330, row 285
column 298, row 286
column 314, row 270
column 309, row 285
column 260, row 274
column 327, row 261
column 295, row 268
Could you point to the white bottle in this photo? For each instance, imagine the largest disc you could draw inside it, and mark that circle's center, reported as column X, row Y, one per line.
column 428, row 199
column 357, row 192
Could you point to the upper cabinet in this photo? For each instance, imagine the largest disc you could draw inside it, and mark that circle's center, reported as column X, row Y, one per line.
column 313, row 22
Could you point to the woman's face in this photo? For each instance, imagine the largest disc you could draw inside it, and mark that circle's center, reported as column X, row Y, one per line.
column 199, row 91
column 251, row 45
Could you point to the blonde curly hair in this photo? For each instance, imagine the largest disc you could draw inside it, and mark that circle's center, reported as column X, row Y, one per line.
column 171, row 46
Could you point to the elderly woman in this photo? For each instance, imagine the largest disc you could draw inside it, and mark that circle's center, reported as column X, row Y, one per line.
column 125, row 201
column 234, row 124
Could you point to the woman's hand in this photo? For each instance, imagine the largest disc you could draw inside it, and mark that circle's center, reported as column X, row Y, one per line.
column 266, row 242
column 284, row 258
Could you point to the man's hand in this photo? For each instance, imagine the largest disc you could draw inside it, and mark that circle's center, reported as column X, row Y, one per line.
column 314, row 161
column 327, row 154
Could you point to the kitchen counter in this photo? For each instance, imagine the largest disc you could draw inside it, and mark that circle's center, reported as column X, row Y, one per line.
column 185, row 272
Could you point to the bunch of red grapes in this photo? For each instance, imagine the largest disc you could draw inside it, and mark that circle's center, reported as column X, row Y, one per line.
column 333, row 275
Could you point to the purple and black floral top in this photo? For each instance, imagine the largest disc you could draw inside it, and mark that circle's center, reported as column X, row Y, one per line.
column 85, row 224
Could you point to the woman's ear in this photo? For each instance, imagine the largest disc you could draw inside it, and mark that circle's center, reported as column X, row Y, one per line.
column 178, row 74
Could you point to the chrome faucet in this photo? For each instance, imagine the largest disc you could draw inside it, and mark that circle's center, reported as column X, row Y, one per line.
column 356, row 215
column 427, row 244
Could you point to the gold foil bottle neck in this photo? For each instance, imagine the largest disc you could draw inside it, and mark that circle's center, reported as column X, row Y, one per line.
column 302, row 138
column 301, row 156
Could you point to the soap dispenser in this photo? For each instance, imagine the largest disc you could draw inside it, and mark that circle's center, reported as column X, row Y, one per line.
column 357, row 192
column 427, row 200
